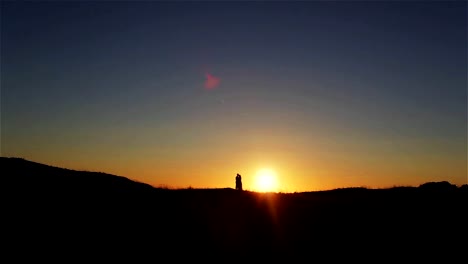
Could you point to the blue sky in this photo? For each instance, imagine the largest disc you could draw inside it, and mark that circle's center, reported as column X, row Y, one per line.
column 127, row 77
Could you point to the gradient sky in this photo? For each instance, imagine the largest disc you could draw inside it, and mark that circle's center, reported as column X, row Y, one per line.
column 327, row 94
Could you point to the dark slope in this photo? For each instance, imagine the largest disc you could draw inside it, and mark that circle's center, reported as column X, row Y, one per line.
column 84, row 214
column 32, row 175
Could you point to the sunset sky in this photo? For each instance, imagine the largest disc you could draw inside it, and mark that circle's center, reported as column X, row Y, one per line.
column 324, row 94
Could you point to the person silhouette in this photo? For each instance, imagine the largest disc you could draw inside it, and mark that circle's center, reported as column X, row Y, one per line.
column 238, row 182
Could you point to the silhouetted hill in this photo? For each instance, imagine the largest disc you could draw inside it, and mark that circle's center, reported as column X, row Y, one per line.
column 89, row 214
column 32, row 175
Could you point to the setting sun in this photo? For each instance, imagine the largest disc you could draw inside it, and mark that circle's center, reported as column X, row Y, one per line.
column 266, row 181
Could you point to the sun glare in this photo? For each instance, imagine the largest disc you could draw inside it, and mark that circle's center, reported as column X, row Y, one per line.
column 265, row 181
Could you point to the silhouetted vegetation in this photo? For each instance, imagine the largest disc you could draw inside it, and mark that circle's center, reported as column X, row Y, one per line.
column 78, row 212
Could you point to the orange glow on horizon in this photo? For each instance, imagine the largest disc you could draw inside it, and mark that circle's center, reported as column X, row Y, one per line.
column 266, row 181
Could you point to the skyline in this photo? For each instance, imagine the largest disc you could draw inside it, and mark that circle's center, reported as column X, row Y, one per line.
column 325, row 94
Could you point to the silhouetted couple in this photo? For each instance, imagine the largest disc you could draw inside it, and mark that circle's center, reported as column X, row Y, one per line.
column 238, row 182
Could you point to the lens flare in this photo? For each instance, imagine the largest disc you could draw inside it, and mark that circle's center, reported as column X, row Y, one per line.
column 211, row 81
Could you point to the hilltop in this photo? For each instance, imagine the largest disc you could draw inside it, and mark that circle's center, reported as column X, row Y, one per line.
column 26, row 173
column 54, row 207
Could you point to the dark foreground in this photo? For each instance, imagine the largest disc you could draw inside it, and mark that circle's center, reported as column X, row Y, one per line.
column 65, row 215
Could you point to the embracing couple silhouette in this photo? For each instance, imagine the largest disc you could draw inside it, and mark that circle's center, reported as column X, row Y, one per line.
column 238, row 182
